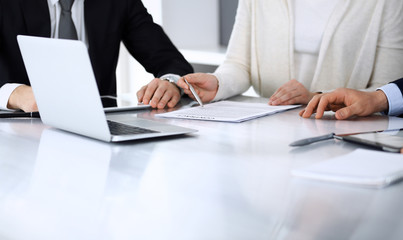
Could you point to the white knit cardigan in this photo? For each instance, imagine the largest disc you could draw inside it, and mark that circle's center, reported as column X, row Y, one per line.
column 362, row 47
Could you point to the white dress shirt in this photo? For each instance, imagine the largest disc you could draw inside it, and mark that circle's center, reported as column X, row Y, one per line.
column 77, row 11
column 395, row 99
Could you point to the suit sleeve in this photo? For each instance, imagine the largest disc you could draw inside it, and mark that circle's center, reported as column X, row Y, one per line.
column 148, row 44
column 394, row 94
column 399, row 83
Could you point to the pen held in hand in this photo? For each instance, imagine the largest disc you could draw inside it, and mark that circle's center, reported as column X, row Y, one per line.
column 194, row 92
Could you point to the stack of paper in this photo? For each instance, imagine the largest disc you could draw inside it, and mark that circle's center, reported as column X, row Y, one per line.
column 361, row 167
column 227, row 111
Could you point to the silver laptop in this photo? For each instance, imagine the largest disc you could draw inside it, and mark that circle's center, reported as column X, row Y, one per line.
column 65, row 89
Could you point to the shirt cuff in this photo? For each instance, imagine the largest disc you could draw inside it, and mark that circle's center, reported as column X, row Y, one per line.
column 5, row 92
column 395, row 99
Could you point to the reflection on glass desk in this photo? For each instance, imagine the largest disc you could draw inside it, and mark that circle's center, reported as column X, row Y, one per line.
column 228, row 181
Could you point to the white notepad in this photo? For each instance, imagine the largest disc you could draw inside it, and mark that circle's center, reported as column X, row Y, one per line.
column 227, row 111
column 362, row 167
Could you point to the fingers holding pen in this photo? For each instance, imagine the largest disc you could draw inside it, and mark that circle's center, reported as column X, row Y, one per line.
column 205, row 85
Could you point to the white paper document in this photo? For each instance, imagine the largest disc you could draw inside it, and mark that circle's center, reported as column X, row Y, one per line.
column 227, row 111
column 362, row 167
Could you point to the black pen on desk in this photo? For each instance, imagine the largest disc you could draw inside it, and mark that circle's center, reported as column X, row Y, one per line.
column 193, row 92
column 308, row 141
column 19, row 115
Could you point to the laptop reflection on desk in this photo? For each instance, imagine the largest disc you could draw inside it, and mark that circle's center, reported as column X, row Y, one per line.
column 65, row 89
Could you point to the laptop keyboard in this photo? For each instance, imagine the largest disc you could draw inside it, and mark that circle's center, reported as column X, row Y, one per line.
column 123, row 129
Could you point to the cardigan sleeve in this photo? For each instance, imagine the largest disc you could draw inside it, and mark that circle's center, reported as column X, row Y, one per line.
column 234, row 73
column 389, row 52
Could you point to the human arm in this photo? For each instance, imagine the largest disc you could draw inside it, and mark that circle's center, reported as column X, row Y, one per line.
column 382, row 61
column 234, row 74
column 150, row 46
column 394, row 94
column 13, row 96
column 22, row 98
column 5, row 92
column 346, row 103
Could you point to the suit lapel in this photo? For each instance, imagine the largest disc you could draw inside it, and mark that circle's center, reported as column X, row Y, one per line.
column 37, row 18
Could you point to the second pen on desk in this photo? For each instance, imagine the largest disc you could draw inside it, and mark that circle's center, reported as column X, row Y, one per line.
column 193, row 92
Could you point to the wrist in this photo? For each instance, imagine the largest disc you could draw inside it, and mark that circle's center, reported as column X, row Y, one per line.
column 6, row 91
column 381, row 101
column 15, row 95
column 217, row 83
column 172, row 78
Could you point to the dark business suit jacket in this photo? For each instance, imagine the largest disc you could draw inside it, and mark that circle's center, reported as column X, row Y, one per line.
column 399, row 83
column 108, row 23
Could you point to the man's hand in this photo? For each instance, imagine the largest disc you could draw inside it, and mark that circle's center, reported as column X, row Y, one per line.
column 23, row 98
column 346, row 103
column 159, row 93
column 292, row 92
column 205, row 85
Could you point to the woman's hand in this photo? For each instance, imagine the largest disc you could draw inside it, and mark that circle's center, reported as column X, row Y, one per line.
column 292, row 92
column 205, row 85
